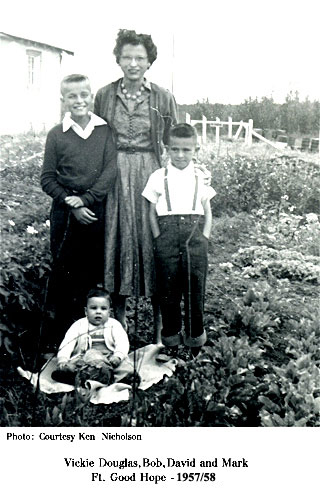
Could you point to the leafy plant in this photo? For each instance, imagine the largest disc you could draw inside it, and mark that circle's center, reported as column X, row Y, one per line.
column 245, row 183
column 293, row 395
column 219, row 388
column 261, row 261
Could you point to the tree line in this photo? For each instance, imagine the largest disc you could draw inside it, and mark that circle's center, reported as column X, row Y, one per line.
column 293, row 116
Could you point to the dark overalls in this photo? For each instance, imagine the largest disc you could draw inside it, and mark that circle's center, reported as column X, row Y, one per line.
column 181, row 267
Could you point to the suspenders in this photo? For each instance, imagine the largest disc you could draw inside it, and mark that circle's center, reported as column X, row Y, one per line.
column 195, row 194
column 166, row 188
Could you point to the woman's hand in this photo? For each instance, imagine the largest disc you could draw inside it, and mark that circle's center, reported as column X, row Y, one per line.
column 84, row 215
column 205, row 173
column 74, row 201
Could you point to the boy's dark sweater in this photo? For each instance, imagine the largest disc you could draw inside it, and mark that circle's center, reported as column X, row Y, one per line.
column 73, row 165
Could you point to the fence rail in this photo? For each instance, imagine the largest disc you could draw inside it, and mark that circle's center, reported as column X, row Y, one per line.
column 217, row 124
column 249, row 133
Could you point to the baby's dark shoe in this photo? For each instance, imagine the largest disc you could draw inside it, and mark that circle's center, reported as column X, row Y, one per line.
column 64, row 376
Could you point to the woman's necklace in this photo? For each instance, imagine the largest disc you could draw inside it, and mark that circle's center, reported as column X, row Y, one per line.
column 130, row 96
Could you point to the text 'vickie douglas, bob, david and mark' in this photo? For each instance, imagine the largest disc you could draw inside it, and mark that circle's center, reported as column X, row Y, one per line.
column 156, row 462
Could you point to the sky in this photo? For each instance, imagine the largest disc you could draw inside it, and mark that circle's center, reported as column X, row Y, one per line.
column 224, row 51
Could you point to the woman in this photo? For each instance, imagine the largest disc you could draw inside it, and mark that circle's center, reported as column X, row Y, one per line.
column 140, row 114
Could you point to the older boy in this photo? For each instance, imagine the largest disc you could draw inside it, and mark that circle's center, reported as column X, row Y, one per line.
column 79, row 169
column 180, row 217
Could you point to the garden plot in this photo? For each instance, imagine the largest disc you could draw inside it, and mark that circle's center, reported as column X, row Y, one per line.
column 260, row 366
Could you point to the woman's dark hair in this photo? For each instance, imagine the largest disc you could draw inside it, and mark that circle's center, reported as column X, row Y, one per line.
column 131, row 37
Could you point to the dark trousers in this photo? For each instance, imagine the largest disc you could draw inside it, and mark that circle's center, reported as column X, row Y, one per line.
column 78, row 262
column 181, row 267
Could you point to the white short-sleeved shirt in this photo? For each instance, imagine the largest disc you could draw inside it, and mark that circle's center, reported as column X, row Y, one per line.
column 181, row 187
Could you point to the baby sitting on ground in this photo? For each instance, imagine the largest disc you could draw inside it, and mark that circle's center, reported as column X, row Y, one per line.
column 93, row 346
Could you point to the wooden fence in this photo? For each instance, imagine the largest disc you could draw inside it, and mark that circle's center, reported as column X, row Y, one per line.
column 217, row 124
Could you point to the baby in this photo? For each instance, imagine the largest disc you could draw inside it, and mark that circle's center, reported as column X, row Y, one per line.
column 94, row 345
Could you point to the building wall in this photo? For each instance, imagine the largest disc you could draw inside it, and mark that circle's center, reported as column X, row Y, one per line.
column 31, row 76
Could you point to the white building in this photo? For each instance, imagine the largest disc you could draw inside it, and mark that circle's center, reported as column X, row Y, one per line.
column 30, row 84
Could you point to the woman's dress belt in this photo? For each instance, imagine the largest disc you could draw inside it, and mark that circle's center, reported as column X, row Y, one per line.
column 132, row 150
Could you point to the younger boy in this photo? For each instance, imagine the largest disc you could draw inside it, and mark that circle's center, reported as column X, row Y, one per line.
column 79, row 169
column 180, row 218
column 93, row 345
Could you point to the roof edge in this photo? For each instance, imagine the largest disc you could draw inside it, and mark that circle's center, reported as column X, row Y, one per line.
column 42, row 44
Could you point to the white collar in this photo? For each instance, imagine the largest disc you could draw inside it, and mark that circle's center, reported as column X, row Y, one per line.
column 68, row 123
column 190, row 169
column 147, row 84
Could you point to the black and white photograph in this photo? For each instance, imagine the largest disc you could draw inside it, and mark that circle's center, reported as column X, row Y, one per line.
column 160, row 256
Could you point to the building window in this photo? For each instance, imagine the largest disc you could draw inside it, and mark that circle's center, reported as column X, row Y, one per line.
column 34, row 67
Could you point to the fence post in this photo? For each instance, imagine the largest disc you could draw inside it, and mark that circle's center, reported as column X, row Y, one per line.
column 217, row 132
column 204, row 129
column 188, row 118
column 249, row 132
column 246, row 133
column 229, row 127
